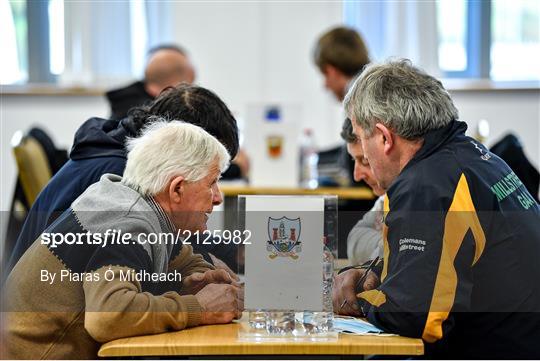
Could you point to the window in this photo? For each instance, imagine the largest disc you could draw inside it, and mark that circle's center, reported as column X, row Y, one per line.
column 496, row 39
column 13, row 35
column 50, row 41
column 56, row 37
column 452, row 35
column 33, row 32
column 515, row 45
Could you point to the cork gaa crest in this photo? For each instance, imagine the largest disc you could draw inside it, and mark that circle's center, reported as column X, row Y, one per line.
column 284, row 237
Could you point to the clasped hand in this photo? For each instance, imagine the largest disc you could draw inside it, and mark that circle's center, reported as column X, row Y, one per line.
column 221, row 298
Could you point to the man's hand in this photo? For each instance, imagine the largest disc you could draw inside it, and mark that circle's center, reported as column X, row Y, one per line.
column 219, row 264
column 220, row 303
column 344, row 294
column 197, row 281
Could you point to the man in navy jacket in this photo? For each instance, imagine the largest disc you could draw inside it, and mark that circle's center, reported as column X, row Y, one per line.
column 461, row 233
column 98, row 148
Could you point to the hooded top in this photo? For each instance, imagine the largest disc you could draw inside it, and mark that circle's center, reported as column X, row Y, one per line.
column 98, row 149
column 99, row 137
column 96, row 296
column 461, row 241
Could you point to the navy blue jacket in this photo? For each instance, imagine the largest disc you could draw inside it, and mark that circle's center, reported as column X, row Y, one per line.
column 98, row 148
column 461, row 241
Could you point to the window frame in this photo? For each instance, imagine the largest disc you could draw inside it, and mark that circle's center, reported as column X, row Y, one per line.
column 477, row 42
column 37, row 17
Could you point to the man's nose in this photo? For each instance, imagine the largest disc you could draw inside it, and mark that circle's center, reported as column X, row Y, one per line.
column 217, row 196
column 359, row 173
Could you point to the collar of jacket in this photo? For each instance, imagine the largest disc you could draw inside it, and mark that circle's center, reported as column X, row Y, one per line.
column 436, row 139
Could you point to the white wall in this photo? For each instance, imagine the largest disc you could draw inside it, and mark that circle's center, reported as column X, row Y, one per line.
column 516, row 111
column 261, row 52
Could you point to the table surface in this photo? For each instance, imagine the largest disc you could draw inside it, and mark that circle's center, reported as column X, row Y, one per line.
column 342, row 193
column 223, row 340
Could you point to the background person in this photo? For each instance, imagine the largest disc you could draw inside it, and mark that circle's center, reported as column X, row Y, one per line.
column 340, row 54
column 99, row 148
column 169, row 184
column 364, row 241
column 168, row 65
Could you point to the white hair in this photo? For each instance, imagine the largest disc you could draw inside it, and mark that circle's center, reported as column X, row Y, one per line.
column 169, row 149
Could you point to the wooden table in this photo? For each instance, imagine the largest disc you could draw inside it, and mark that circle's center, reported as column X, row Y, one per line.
column 342, row 192
column 232, row 190
column 223, row 340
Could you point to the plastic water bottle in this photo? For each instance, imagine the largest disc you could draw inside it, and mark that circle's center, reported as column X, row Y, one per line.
column 309, row 160
column 322, row 322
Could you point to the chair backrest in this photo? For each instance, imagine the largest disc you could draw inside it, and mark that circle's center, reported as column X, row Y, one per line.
column 32, row 163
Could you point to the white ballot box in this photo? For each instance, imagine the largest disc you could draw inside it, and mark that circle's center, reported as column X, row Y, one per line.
column 272, row 134
column 289, row 261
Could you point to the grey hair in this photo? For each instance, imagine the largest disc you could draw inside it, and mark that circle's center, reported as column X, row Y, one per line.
column 169, row 149
column 402, row 97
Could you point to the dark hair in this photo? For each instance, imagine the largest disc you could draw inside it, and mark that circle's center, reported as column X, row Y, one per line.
column 342, row 48
column 192, row 104
column 347, row 132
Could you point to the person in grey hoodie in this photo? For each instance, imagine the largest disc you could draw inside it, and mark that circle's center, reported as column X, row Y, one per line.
column 364, row 241
column 96, row 274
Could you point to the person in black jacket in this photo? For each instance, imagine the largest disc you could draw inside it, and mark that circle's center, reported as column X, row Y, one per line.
column 98, row 148
column 461, row 232
column 340, row 54
column 168, row 65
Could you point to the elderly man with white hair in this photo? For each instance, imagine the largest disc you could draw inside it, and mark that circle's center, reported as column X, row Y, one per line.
column 96, row 275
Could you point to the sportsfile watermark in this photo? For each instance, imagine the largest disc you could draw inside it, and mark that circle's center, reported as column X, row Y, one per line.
column 118, row 237
column 110, row 275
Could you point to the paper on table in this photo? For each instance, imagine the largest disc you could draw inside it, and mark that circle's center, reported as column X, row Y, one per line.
column 357, row 326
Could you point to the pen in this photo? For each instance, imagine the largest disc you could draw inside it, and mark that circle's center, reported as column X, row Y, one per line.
column 342, row 304
column 360, row 284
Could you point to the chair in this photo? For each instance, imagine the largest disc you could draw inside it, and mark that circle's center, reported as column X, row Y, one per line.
column 32, row 164
column 37, row 159
column 510, row 149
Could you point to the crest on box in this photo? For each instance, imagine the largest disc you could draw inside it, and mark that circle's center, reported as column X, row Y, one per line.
column 284, row 237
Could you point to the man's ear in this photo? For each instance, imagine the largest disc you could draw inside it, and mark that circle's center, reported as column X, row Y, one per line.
column 387, row 137
column 176, row 189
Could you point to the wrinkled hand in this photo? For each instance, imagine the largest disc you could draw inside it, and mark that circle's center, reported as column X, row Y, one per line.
column 220, row 303
column 197, row 281
column 344, row 289
column 219, row 264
